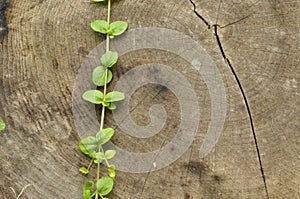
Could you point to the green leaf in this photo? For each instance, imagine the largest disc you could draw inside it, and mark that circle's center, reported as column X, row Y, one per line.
column 96, row 1
column 118, row 27
column 109, row 154
column 84, row 170
column 93, row 96
column 105, row 135
column 89, row 146
column 88, row 191
column 2, row 125
column 112, row 171
column 114, row 96
column 99, row 157
column 100, row 26
column 109, row 59
column 88, row 185
column 88, row 194
column 105, row 185
column 98, row 76
column 112, row 106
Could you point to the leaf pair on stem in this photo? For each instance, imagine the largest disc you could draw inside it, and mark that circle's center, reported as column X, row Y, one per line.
column 114, row 29
column 103, row 186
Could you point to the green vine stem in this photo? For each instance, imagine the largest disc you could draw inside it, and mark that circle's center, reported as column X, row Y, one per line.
column 106, row 70
column 104, row 91
column 92, row 146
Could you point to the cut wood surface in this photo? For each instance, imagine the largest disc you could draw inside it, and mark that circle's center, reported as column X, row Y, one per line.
column 41, row 53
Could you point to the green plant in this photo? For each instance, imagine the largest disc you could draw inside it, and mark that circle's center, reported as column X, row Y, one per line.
column 92, row 146
column 2, row 125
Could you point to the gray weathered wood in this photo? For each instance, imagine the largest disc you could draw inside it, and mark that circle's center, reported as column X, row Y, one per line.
column 48, row 39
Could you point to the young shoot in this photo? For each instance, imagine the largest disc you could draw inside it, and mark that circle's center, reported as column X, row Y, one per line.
column 92, row 146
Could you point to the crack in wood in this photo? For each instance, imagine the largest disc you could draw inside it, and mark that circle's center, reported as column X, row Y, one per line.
column 3, row 29
column 198, row 15
column 246, row 104
column 239, row 84
column 237, row 21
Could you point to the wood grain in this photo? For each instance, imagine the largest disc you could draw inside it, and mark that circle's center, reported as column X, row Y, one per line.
column 43, row 49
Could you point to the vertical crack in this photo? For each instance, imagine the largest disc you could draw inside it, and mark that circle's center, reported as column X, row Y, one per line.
column 240, row 87
column 246, row 104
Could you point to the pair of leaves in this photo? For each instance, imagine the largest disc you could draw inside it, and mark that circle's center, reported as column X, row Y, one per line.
column 97, row 97
column 114, row 29
column 104, row 186
column 90, row 145
column 2, row 125
column 112, row 171
column 101, row 74
column 100, row 156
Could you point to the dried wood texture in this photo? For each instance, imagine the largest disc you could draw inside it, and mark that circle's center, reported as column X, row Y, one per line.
column 48, row 39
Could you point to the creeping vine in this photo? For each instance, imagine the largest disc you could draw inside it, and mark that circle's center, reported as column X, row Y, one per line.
column 92, row 146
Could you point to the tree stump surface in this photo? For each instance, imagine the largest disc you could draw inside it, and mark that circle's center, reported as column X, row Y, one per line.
column 45, row 43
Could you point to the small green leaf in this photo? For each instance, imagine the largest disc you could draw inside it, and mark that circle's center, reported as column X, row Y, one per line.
column 112, row 106
column 2, row 125
column 109, row 59
column 114, row 96
column 88, row 146
column 88, row 194
column 99, row 157
column 100, row 26
column 88, row 185
column 105, row 135
column 93, row 96
column 118, row 27
column 112, row 171
column 88, row 191
column 109, row 154
column 106, row 104
column 105, row 185
column 98, row 76
column 96, row 1
column 84, row 170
